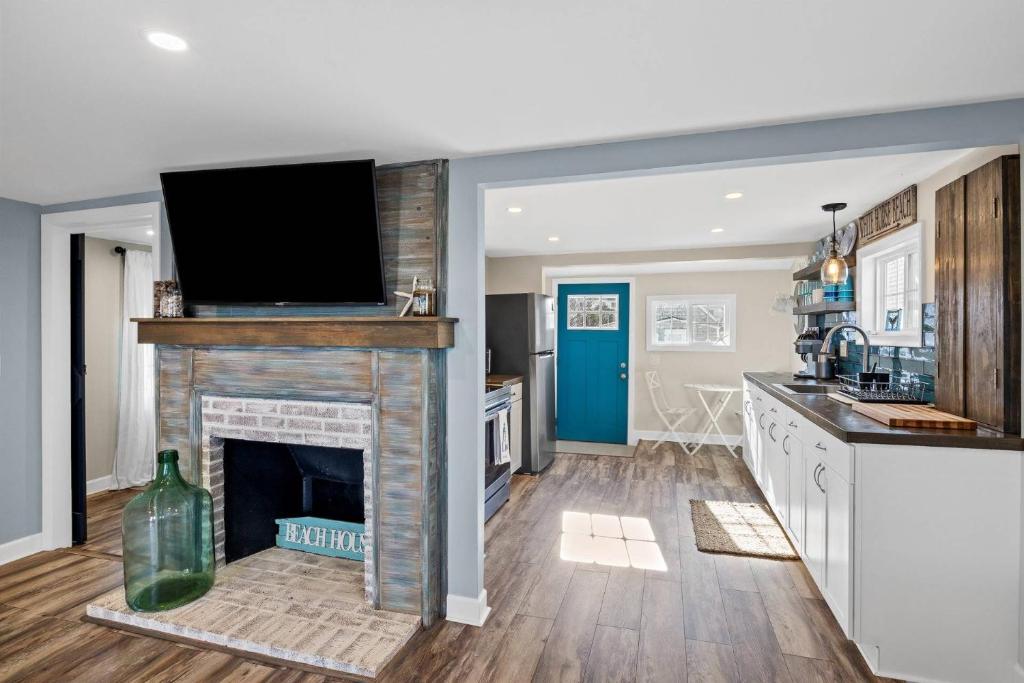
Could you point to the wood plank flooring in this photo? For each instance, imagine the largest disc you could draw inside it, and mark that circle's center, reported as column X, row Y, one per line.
column 704, row 618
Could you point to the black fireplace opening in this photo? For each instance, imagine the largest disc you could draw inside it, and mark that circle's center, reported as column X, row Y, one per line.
column 267, row 481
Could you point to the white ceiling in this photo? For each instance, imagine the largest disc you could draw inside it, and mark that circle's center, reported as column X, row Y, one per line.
column 138, row 234
column 89, row 108
column 661, row 267
column 678, row 210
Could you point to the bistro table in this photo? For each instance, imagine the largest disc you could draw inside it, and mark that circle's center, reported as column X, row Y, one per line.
column 720, row 399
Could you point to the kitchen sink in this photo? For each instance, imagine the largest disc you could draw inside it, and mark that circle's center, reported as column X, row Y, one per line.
column 806, row 388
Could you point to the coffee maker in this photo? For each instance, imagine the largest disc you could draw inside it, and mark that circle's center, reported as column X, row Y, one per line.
column 807, row 346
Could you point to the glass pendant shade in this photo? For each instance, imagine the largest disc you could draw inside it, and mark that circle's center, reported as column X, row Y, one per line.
column 167, row 532
column 834, row 270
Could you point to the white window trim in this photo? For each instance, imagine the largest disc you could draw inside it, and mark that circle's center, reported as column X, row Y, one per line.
column 727, row 300
column 907, row 240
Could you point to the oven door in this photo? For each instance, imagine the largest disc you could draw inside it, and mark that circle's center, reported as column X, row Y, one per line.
column 497, row 478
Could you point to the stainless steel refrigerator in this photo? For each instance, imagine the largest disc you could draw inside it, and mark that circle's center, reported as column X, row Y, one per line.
column 521, row 337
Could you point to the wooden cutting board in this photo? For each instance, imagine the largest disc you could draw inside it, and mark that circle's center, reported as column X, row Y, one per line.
column 902, row 415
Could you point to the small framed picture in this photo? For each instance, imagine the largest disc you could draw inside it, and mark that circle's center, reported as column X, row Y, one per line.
column 893, row 320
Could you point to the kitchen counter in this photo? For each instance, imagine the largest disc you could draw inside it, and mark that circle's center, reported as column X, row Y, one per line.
column 496, row 381
column 842, row 422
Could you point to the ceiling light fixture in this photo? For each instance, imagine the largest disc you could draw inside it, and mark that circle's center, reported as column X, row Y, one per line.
column 734, row 195
column 515, row 209
column 834, row 270
column 167, row 41
column 553, row 238
column 150, row 233
column 717, row 229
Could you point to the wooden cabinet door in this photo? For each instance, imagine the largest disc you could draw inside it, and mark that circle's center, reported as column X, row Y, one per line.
column 984, row 373
column 761, row 446
column 778, row 476
column 795, row 490
column 516, row 435
column 838, row 542
column 814, row 518
column 949, row 297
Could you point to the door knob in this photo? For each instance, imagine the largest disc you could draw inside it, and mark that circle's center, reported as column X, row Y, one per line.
column 622, row 375
column 622, row 365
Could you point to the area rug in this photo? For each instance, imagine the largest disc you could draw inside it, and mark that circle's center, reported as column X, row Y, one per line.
column 284, row 605
column 732, row 528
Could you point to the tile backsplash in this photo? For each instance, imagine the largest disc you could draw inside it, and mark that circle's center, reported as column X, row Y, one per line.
column 916, row 362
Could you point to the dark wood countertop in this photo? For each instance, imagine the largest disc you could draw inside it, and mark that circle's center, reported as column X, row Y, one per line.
column 842, row 422
column 498, row 380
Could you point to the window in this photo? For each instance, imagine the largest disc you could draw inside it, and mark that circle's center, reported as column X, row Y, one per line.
column 593, row 311
column 691, row 323
column 889, row 288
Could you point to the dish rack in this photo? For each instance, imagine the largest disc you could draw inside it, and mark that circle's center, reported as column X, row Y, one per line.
column 883, row 388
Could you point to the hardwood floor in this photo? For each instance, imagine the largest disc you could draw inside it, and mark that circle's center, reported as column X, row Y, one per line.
column 702, row 618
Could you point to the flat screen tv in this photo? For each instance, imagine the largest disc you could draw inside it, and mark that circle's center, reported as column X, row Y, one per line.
column 296, row 234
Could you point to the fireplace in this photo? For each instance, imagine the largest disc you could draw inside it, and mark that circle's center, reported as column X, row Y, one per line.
column 265, row 481
column 266, row 459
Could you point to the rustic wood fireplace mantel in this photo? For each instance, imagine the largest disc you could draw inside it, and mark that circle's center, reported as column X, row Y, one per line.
column 318, row 331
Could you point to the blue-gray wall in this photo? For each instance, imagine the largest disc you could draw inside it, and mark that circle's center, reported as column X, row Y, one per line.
column 20, row 472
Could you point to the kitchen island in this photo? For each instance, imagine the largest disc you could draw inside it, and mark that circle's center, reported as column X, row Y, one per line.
column 912, row 535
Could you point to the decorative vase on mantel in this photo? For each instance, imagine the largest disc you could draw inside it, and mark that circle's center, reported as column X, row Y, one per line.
column 167, row 536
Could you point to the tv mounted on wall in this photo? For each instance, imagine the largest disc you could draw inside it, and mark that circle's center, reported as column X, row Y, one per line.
column 295, row 234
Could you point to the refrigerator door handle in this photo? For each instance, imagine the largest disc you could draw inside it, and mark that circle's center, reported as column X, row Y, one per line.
column 544, row 354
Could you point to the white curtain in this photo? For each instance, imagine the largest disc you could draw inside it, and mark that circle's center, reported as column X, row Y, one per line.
column 136, row 422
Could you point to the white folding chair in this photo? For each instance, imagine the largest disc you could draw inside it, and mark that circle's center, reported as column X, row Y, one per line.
column 672, row 417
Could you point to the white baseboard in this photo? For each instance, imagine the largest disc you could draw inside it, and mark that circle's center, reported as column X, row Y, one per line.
column 20, row 547
column 99, row 484
column 468, row 610
column 692, row 437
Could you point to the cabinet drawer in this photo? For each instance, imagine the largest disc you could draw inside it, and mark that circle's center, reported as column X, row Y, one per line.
column 835, row 453
column 796, row 424
column 517, row 391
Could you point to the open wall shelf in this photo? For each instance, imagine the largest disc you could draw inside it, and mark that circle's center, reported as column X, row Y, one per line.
column 826, row 307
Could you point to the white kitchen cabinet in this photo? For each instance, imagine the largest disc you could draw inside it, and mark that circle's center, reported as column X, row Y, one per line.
column 749, row 420
column 793, row 449
column 926, row 591
column 761, row 438
column 838, row 542
column 515, row 437
column 815, row 516
column 776, row 480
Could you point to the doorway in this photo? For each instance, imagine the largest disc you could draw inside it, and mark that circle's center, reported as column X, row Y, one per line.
column 593, row 362
column 84, row 348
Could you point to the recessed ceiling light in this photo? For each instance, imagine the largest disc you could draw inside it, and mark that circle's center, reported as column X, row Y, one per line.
column 167, row 41
column 553, row 238
column 734, row 195
column 150, row 233
column 515, row 209
column 717, row 229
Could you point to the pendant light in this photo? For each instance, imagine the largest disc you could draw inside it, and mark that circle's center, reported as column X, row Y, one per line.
column 834, row 270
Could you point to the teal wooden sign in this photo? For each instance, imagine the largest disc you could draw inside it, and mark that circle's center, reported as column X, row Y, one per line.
column 322, row 536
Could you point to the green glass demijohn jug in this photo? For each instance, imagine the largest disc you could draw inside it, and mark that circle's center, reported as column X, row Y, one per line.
column 167, row 534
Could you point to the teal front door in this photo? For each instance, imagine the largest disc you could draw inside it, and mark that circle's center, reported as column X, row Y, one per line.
column 593, row 362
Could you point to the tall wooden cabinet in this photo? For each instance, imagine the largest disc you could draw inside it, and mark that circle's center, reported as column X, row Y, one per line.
column 977, row 292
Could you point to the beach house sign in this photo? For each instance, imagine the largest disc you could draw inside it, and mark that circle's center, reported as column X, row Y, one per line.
column 321, row 536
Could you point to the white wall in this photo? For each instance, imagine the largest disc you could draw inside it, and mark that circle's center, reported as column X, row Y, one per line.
column 764, row 339
column 104, row 272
